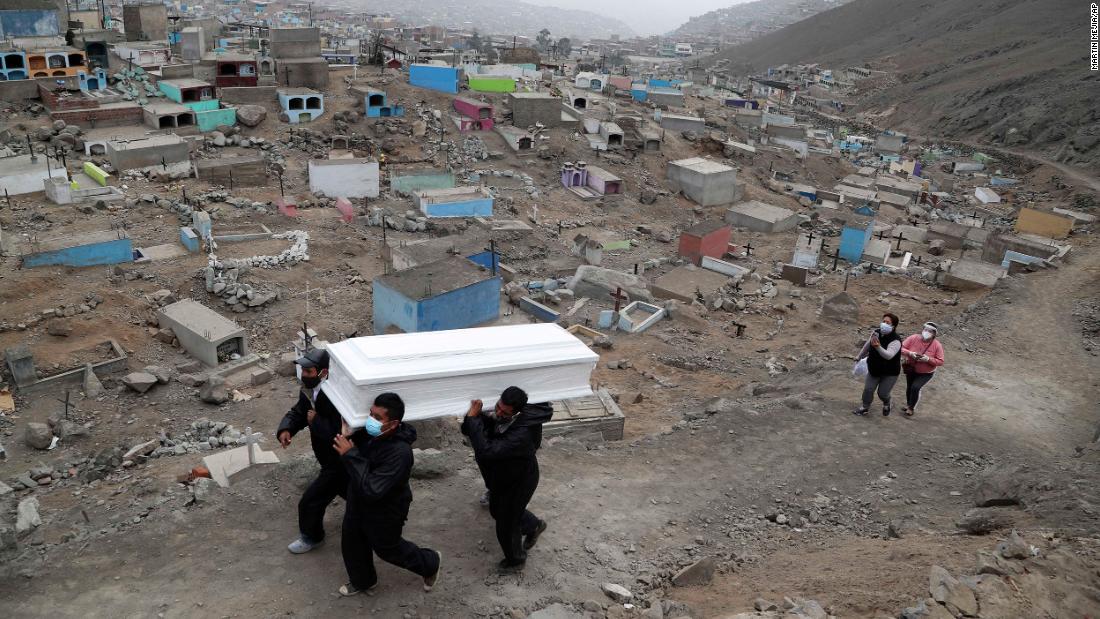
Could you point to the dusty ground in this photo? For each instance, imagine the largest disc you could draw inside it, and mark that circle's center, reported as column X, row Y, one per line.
column 1019, row 388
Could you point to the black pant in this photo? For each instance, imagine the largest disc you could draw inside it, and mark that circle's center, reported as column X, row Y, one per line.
column 913, row 384
column 362, row 538
column 508, row 506
column 332, row 482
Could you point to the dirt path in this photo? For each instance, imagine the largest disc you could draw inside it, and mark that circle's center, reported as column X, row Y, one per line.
column 633, row 512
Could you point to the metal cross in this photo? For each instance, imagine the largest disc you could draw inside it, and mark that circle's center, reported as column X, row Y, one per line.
column 836, row 257
column 66, row 403
column 900, row 237
column 619, row 297
column 307, row 339
column 810, row 239
column 748, row 248
column 740, row 328
column 881, row 234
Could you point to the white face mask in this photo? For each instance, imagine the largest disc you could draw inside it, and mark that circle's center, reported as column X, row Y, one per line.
column 926, row 335
column 885, row 328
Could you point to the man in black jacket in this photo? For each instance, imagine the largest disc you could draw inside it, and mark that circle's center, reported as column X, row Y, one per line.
column 505, row 442
column 315, row 411
column 379, row 460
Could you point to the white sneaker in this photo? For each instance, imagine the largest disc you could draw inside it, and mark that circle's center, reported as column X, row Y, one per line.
column 301, row 546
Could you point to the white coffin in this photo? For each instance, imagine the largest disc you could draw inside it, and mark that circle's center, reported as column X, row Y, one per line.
column 437, row 373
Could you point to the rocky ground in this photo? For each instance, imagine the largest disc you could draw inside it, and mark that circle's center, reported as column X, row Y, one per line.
column 743, row 485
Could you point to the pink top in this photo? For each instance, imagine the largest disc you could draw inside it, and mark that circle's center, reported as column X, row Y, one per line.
column 914, row 344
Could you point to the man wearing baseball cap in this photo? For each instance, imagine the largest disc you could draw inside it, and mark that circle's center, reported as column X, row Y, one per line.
column 315, row 411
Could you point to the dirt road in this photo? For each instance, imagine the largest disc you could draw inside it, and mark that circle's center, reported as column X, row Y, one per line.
column 632, row 513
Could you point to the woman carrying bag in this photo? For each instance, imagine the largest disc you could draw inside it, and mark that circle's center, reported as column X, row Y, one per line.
column 883, row 354
column 921, row 354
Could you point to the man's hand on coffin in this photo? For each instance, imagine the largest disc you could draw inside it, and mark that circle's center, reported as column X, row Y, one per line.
column 342, row 445
column 475, row 408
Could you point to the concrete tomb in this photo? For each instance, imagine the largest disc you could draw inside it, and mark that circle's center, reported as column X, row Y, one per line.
column 205, row 334
column 760, row 217
column 705, row 182
column 707, row 238
column 453, row 293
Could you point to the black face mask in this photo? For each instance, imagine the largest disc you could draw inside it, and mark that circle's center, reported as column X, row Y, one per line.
column 311, row 382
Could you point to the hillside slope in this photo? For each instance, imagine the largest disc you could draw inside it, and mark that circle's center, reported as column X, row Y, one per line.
column 509, row 16
column 1011, row 72
column 747, row 21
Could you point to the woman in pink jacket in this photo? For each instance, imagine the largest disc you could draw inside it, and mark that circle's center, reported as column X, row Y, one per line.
column 921, row 354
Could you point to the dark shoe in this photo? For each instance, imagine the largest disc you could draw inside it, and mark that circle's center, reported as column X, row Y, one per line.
column 349, row 590
column 886, row 410
column 509, row 566
column 432, row 580
column 862, row 412
column 532, row 539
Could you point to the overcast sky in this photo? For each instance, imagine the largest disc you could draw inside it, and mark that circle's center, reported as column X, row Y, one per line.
column 645, row 16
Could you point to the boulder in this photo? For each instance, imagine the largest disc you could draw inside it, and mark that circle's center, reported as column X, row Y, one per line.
column 59, row 328
column 162, row 374
column 38, row 435
column 140, row 381
column 982, row 521
column 251, row 115
column 841, row 307
column 429, row 464
column 1014, row 547
column 951, row 592
column 699, row 573
column 214, row 391
column 618, row 593
column 1001, row 485
column 599, row 283
column 26, row 515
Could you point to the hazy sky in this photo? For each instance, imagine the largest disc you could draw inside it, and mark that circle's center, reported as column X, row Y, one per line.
column 645, row 16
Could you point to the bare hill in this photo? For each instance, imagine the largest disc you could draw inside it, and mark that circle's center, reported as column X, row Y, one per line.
column 747, row 21
column 1011, row 72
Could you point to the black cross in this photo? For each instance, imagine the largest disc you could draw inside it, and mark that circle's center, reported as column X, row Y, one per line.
column 900, row 237
column 881, row 234
column 635, row 268
column 619, row 298
column 846, row 276
column 185, row 200
column 281, row 193
column 836, row 257
column 231, row 180
column 740, row 328
column 559, row 228
column 917, row 260
column 307, row 340
column 810, row 240
column 30, row 147
column 7, row 197
column 748, row 248
column 66, row 403
column 163, row 162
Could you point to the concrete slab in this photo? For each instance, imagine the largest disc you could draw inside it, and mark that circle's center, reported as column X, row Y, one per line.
column 225, row 464
column 972, row 275
column 726, row 268
column 761, row 217
column 841, row 307
column 684, row 283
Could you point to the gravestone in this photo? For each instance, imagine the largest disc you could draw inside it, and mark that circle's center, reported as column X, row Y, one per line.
column 795, row 274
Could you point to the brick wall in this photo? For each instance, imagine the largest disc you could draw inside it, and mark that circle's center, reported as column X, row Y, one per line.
column 53, row 100
column 104, row 117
